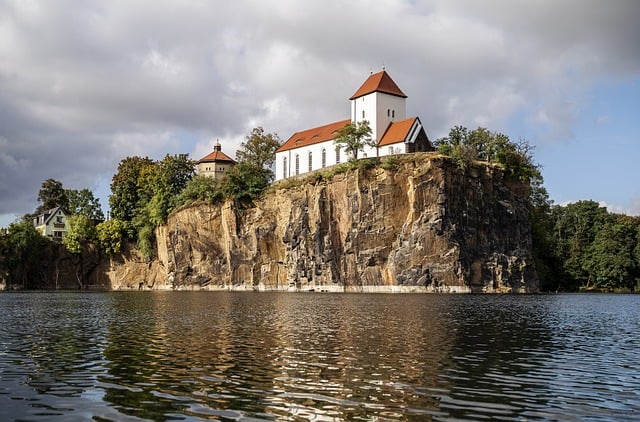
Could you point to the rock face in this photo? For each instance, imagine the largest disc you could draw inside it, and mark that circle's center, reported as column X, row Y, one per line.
column 420, row 225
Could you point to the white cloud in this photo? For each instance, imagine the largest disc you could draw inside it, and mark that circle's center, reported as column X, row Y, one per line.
column 632, row 208
column 85, row 84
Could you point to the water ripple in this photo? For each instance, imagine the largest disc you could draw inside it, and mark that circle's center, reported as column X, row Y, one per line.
column 234, row 356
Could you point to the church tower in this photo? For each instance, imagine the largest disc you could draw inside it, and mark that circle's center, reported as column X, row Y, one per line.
column 379, row 101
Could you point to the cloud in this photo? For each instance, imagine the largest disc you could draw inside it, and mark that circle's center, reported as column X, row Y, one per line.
column 632, row 208
column 85, row 84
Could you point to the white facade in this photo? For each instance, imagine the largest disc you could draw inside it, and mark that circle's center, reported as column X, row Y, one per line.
column 52, row 223
column 378, row 101
column 294, row 162
column 379, row 109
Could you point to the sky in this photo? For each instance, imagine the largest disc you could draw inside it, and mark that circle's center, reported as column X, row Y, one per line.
column 84, row 84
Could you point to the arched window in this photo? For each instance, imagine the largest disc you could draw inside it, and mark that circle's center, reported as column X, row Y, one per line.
column 284, row 167
column 310, row 161
column 363, row 114
column 337, row 155
column 324, row 157
column 393, row 113
column 388, row 112
column 297, row 164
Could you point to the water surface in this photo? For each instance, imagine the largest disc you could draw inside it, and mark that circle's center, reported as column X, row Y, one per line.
column 285, row 356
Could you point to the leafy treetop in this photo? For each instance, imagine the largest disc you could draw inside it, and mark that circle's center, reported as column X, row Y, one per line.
column 354, row 137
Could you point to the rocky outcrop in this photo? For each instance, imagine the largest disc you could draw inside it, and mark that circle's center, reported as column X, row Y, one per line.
column 418, row 225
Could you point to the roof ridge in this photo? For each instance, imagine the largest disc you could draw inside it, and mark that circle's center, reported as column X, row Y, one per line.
column 379, row 82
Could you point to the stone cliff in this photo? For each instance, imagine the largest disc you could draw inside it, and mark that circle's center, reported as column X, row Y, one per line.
column 418, row 224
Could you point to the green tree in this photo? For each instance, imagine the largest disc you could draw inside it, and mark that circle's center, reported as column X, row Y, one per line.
column 354, row 137
column 259, row 149
column 25, row 244
column 575, row 229
column 548, row 266
column 466, row 146
column 129, row 185
column 610, row 259
column 51, row 195
column 252, row 174
column 81, row 230
column 201, row 188
column 169, row 179
column 82, row 202
column 111, row 234
column 245, row 182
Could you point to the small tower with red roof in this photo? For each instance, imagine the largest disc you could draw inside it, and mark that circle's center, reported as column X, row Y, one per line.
column 215, row 164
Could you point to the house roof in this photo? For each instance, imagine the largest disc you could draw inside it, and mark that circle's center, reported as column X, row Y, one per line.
column 48, row 215
column 397, row 132
column 379, row 82
column 216, row 156
column 313, row 135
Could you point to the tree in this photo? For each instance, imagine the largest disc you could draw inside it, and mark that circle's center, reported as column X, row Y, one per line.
column 110, row 234
column 259, row 150
column 353, row 137
column 128, row 186
column 82, row 202
column 466, row 146
column 245, row 182
column 169, row 179
column 81, row 230
column 575, row 229
column 610, row 259
column 251, row 176
column 51, row 195
column 25, row 244
column 201, row 188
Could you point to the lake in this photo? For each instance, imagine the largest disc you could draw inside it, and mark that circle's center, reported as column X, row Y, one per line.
column 298, row 356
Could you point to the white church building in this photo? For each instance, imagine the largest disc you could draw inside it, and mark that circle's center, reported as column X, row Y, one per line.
column 380, row 102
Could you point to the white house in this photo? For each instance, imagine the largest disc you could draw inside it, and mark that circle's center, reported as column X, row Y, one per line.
column 379, row 101
column 52, row 223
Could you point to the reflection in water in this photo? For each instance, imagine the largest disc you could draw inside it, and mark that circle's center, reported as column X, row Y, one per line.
column 228, row 356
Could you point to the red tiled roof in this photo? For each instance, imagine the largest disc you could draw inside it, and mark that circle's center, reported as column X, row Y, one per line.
column 313, row 136
column 380, row 82
column 397, row 132
column 217, row 156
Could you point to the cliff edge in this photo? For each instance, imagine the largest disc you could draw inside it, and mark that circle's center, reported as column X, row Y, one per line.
column 420, row 224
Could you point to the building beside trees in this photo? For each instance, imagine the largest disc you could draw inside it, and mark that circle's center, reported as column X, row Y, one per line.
column 216, row 164
column 52, row 223
column 378, row 104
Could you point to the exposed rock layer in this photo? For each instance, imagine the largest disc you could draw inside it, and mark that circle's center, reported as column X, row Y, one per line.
column 422, row 226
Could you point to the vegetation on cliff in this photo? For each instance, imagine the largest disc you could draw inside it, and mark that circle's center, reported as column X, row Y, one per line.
column 579, row 246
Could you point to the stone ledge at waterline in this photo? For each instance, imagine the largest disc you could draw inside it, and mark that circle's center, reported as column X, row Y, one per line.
column 423, row 225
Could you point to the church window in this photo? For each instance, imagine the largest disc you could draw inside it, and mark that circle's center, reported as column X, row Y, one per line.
column 297, row 164
column 388, row 112
column 324, row 157
column 390, row 150
column 393, row 114
column 310, row 161
column 337, row 155
column 363, row 114
column 284, row 167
